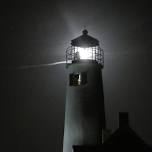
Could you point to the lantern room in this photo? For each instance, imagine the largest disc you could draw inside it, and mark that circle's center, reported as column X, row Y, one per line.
column 83, row 48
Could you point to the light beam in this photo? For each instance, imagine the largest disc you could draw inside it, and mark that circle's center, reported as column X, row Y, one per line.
column 35, row 66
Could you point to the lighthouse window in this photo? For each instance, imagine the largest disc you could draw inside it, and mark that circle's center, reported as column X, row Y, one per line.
column 77, row 79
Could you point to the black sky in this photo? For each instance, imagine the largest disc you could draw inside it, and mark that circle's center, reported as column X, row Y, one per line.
column 38, row 32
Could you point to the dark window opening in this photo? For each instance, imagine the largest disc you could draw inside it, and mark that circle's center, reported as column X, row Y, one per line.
column 77, row 79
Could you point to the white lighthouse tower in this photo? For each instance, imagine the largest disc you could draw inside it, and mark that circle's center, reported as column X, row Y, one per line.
column 84, row 113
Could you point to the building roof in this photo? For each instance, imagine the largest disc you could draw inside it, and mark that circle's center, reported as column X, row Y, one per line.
column 122, row 140
column 125, row 139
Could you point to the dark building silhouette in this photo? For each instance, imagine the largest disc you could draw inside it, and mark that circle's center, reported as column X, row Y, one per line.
column 124, row 139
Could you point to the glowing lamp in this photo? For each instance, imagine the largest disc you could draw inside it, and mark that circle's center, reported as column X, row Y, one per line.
column 84, row 53
column 84, row 48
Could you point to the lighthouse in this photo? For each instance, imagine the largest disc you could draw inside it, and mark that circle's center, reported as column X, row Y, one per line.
column 84, row 109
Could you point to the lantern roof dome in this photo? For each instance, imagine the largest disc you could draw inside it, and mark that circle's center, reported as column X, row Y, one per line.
column 85, row 40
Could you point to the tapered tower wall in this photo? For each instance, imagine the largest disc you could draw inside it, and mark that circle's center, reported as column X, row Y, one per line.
column 84, row 113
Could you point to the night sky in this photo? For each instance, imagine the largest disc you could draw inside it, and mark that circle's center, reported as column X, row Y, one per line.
column 38, row 32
